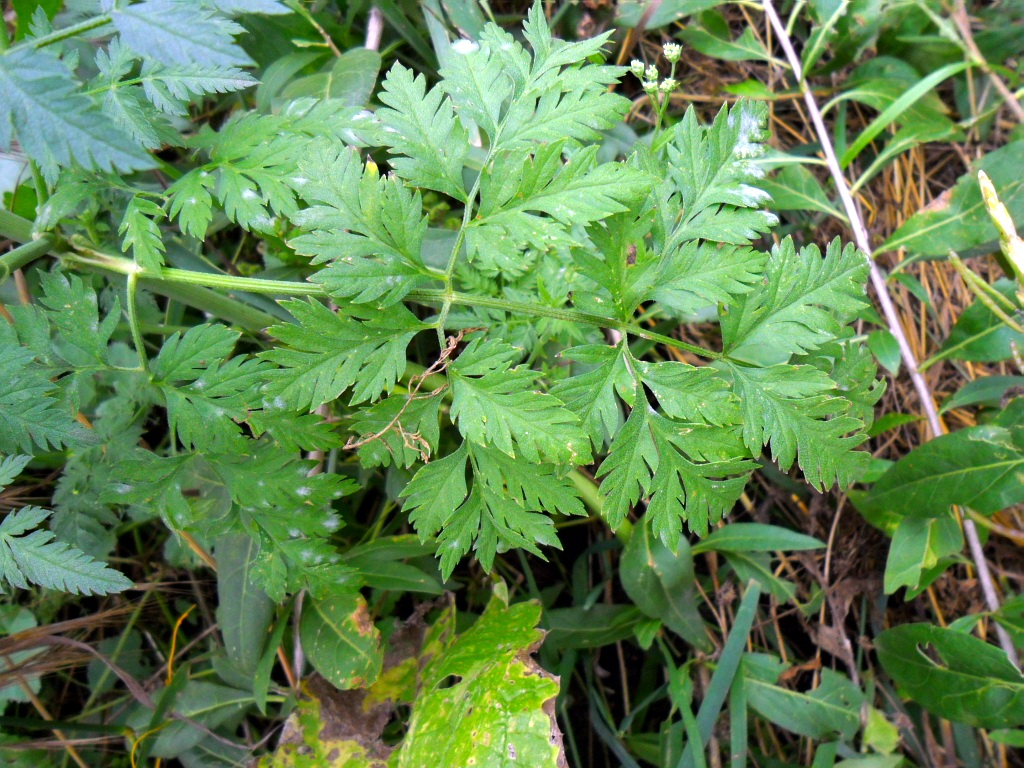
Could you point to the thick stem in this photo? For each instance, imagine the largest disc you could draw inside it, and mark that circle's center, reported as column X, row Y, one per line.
column 892, row 319
column 24, row 255
column 89, row 257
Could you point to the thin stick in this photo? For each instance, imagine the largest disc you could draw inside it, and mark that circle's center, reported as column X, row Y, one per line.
column 892, row 319
column 963, row 25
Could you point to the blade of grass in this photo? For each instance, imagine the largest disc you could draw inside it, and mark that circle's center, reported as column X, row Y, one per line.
column 891, row 113
column 725, row 673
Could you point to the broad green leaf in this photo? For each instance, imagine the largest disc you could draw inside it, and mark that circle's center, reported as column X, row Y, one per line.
column 756, row 537
column 350, row 79
column 918, row 546
column 340, row 639
column 55, row 124
column 957, row 220
column 976, row 467
column 831, row 709
column 979, row 335
column 804, row 302
column 661, row 583
column 987, row 391
column 497, row 712
column 953, row 675
column 600, row 624
column 378, row 565
column 631, row 11
column 244, row 611
column 710, row 35
column 795, row 188
column 885, row 349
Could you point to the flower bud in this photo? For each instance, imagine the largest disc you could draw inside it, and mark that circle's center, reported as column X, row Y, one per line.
column 672, row 52
column 637, row 68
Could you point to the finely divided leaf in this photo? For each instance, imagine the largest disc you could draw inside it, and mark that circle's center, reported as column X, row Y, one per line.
column 430, row 146
column 368, row 229
column 180, row 33
column 794, row 409
column 55, row 123
column 714, row 170
column 502, row 407
column 804, row 302
column 329, row 352
column 37, row 559
column 141, row 233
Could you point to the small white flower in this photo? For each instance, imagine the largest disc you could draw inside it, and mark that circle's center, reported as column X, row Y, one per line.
column 637, row 68
column 652, row 73
column 667, row 85
column 672, row 52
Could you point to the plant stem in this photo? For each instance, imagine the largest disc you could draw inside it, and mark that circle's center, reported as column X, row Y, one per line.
column 133, row 321
column 87, row 256
column 23, row 255
column 892, row 319
column 63, row 34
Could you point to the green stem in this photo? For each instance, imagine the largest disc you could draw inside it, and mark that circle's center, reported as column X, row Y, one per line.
column 133, row 320
column 89, row 257
column 23, row 255
column 68, row 32
column 15, row 227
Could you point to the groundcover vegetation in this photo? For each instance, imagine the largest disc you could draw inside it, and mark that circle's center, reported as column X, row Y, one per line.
column 456, row 383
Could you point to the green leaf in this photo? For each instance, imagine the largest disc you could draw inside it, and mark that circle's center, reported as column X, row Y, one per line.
column 29, row 414
column 55, row 123
column 420, row 127
column 340, row 639
column 244, row 611
column 795, row 188
column 695, row 276
column 671, row 462
column 499, row 406
column 477, row 84
column 350, row 79
column 833, row 708
column 976, row 467
column 591, row 395
column 918, row 546
column 74, row 312
column 34, row 557
column 979, row 335
column 756, row 537
column 661, row 583
column 886, row 349
column 953, row 675
column 710, row 36
column 141, row 233
column 714, row 170
column 329, row 352
column 176, row 33
column 804, row 302
column 369, row 230
column 793, row 409
column 987, row 391
column 499, row 691
column 957, row 220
